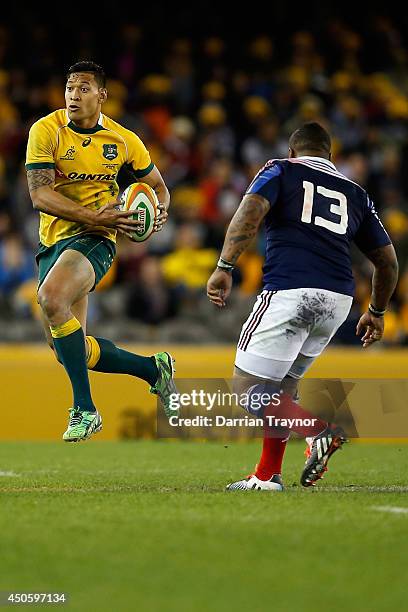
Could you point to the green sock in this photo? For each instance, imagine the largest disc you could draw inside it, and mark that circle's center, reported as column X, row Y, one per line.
column 118, row 361
column 69, row 343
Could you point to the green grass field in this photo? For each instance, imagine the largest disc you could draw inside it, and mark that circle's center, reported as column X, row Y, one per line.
column 147, row 526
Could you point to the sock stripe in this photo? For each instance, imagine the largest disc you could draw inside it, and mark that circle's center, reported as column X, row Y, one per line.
column 70, row 327
column 93, row 352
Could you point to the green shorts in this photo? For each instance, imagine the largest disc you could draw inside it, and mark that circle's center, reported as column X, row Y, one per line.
column 99, row 250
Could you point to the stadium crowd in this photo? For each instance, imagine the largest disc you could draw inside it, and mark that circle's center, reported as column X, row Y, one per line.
column 212, row 112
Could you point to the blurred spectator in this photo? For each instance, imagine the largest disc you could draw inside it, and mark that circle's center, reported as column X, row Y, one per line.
column 16, row 264
column 355, row 167
column 179, row 147
column 150, row 299
column 216, row 138
column 221, row 191
column 348, row 123
column 266, row 144
column 128, row 57
column 190, row 264
column 178, row 65
column 310, row 109
column 250, row 267
column 130, row 257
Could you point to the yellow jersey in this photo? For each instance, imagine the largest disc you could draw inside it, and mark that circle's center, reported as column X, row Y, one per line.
column 86, row 163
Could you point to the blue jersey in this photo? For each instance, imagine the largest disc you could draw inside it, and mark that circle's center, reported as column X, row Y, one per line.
column 315, row 213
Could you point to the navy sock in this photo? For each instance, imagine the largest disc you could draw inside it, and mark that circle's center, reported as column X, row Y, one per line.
column 118, row 361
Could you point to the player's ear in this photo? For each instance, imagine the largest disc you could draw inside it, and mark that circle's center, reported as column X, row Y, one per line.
column 103, row 94
column 291, row 153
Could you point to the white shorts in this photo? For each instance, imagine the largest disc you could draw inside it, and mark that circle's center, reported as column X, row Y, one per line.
column 288, row 329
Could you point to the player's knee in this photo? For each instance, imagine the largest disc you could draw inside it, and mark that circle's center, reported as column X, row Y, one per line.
column 290, row 386
column 258, row 397
column 51, row 303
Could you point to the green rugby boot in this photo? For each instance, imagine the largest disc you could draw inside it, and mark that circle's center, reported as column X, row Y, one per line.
column 82, row 425
column 165, row 386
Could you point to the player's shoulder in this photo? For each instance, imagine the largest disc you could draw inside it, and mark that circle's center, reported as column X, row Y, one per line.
column 267, row 175
column 326, row 167
column 52, row 122
column 275, row 162
column 114, row 126
column 272, row 168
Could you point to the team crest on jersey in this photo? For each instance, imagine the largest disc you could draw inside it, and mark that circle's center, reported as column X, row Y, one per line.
column 69, row 155
column 110, row 151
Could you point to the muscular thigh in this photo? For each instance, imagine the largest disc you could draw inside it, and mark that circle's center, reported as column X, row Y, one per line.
column 71, row 277
column 331, row 310
column 284, row 324
column 70, row 280
column 271, row 337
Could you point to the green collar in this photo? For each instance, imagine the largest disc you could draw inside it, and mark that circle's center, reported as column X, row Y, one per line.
column 80, row 130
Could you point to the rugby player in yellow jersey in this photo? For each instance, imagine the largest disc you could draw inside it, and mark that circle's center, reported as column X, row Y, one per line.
column 73, row 158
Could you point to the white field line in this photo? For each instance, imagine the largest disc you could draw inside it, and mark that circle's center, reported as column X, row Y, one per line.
column 8, row 474
column 391, row 509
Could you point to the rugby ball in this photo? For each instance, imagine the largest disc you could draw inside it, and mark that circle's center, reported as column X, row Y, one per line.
column 141, row 198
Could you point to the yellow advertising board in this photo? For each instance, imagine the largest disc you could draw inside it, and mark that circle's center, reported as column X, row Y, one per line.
column 36, row 394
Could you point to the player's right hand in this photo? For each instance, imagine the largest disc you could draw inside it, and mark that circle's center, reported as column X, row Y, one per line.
column 219, row 287
column 110, row 216
column 373, row 328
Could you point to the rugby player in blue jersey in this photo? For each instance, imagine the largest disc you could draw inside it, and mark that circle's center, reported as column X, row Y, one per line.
column 312, row 213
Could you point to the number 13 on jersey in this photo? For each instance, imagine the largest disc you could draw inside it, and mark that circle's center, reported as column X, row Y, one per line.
column 340, row 208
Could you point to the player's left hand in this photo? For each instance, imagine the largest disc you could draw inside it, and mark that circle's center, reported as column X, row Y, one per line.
column 161, row 218
column 373, row 328
column 219, row 287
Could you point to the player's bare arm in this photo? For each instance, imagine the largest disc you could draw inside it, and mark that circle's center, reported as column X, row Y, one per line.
column 244, row 226
column 385, row 275
column 47, row 200
column 241, row 231
column 155, row 180
column 384, row 281
column 44, row 177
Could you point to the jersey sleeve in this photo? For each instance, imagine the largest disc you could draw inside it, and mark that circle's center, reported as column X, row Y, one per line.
column 40, row 149
column 371, row 234
column 267, row 182
column 138, row 157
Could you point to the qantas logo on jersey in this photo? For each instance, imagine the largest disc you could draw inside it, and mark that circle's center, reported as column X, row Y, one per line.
column 75, row 176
